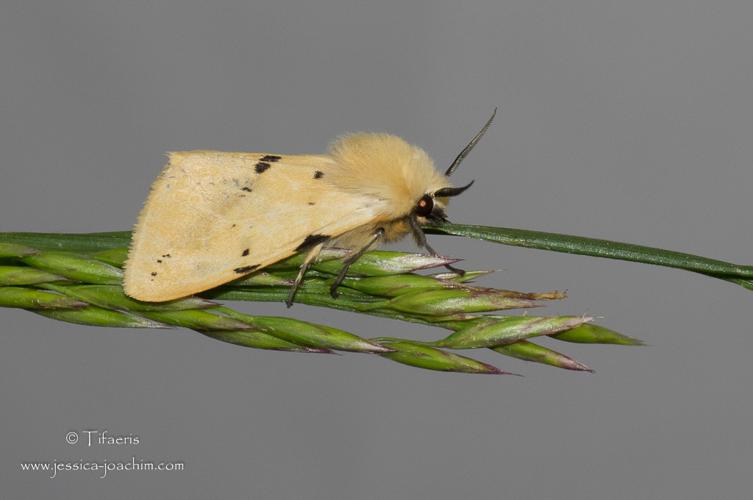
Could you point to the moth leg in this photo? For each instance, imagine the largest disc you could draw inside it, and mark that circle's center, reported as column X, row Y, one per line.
column 378, row 234
column 310, row 257
column 420, row 238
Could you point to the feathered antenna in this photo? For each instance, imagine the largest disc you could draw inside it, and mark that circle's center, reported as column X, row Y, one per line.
column 452, row 191
column 467, row 149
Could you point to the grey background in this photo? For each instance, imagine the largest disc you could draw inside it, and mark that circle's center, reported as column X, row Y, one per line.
column 622, row 120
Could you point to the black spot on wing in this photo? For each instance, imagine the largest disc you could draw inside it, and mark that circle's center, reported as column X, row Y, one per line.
column 246, row 188
column 311, row 240
column 318, row 174
column 261, row 167
column 245, row 269
column 312, row 203
column 245, row 252
column 154, row 273
column 270, row 158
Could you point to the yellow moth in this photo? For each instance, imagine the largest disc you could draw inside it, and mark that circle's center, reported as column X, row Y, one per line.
column 212, row 217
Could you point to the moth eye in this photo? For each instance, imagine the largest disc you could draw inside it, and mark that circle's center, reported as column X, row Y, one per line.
column 424, row 206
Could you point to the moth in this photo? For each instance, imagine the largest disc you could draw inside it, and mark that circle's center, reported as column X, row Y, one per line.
column 212, row 217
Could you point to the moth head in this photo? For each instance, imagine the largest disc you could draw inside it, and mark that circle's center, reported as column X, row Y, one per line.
column 431, row 206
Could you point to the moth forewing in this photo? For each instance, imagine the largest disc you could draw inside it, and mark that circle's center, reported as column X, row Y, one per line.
column 212, row 217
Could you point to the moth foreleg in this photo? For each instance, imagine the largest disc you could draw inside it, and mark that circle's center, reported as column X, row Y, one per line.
column 378, row 234
column 310, row 257
column 420, row 237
